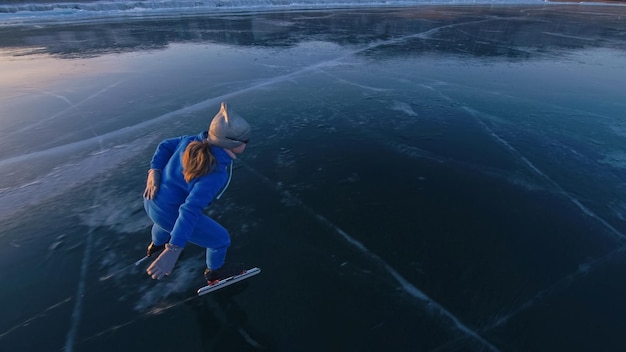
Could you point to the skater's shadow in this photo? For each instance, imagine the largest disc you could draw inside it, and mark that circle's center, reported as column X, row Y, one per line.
column 224, row 324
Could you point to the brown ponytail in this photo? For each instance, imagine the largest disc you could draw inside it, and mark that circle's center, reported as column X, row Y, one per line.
column 197, row 160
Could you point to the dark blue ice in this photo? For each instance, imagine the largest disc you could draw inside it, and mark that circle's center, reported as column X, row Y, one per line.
column 419, row 178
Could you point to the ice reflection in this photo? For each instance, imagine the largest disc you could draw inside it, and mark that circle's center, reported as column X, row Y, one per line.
column 460, row 167
column 506, row 31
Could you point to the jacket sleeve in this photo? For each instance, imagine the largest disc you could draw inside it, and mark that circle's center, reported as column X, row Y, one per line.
column 164, row 152
column 202, row 193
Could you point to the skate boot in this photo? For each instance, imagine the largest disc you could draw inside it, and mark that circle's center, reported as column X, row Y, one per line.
column 226, row 271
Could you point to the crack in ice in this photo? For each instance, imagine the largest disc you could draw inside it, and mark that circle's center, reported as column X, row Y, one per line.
column 406, row 286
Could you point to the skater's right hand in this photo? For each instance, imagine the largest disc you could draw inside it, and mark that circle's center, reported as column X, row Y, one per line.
column 152, row 184
column 164, row 264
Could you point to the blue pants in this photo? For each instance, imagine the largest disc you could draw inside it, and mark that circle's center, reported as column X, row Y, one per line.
column 208, row 233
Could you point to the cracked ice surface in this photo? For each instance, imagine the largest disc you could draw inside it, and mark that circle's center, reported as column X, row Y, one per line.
column 430, row 178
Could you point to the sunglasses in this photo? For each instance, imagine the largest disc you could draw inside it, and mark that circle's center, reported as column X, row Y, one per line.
column 239, row 140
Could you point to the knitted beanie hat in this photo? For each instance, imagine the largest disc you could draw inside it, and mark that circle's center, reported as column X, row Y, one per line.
column 228, row 130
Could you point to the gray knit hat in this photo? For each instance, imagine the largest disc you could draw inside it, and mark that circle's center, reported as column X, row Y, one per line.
column 228, row 130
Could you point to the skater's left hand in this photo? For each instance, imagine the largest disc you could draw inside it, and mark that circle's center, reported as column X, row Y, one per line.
column 152, row 183
column 164, row 264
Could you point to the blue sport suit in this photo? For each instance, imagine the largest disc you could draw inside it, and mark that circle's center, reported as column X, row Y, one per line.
column 176, row 209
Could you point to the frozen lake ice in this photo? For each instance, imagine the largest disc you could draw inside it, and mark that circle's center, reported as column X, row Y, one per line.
column 427, row 178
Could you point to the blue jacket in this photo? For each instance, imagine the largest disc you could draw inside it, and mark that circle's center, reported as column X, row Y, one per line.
column 179, row 202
